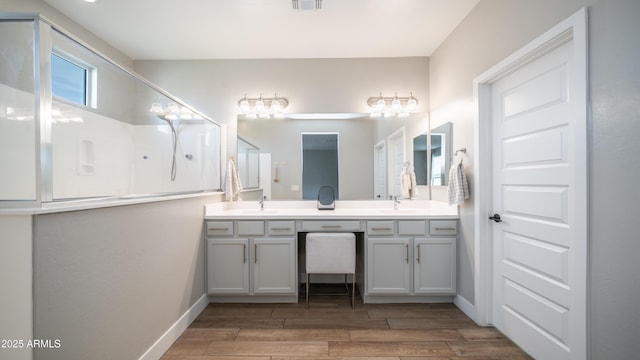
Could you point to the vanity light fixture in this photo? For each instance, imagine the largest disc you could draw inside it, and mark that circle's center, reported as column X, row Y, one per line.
column 306, row 4
column 262, row 107
column 392, row 106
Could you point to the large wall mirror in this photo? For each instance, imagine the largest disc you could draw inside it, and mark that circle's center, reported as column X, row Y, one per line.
column 356, row 139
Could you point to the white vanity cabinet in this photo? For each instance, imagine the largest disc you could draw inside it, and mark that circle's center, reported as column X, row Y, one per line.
column 388, row 265
column 434, row 267
column 410, row 259
column 228, row 266
column 274, row 265
column 251, row 258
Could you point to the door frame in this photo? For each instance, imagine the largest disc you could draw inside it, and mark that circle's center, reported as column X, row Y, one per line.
column 573, row 28
column 396, row 137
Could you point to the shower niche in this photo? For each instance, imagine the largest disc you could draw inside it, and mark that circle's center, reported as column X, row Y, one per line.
column 76, row 125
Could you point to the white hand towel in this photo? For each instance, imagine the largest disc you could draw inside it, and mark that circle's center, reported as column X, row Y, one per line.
column 405, row 184
column 458, row 186
column 414, row 184
column 232, row 184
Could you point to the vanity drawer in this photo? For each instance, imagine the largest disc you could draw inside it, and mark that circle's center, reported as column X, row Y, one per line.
column 281, row 227
column 215, row 228
column 251, row 227
column 338, row 225
column 380, row 227
column 412, row 227
column 443, row 227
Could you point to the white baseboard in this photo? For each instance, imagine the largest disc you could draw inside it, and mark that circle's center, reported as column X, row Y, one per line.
column 161, row 345
column 468, row 308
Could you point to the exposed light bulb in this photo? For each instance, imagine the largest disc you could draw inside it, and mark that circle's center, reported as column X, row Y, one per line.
column 259, row 106
column 380, row 104
column 396, row 105
column 173, row 108
column 412, row 104
column 276, row 106
column 156, row 108
column 244, row 105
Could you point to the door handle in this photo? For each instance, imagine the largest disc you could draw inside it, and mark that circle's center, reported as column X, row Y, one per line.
column 496, row 218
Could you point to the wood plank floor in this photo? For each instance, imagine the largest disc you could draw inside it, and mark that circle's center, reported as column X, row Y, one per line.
column 330, row 329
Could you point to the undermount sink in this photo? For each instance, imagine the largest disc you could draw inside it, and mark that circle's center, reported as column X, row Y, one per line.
column 260, row 212
column 398, row 212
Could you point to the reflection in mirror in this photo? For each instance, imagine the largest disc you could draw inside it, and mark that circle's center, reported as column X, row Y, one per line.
column 326, row 198
column 440, row 159
column 420, row 159
column 358, row 141
column 319, row 163
column 248, row 164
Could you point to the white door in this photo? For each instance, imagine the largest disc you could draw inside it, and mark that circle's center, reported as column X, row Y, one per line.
column 380, row 171
column 539, row 177
column 396, row 162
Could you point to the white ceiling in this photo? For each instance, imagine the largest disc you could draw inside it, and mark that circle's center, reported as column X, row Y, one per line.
column 261, row 29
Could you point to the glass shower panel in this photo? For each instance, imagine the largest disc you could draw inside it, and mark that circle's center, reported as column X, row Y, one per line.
column 129, row 139
column 176, row 149
column 17, row 111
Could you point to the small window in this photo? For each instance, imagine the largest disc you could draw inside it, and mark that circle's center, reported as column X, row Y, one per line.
column 69, row 80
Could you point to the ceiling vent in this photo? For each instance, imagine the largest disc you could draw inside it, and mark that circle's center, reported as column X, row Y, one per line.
column 306, row 4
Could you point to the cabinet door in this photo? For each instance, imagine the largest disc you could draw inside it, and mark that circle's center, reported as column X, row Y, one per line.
column 388, row 266
column 228, row 266
column 274, row 266
column 434, row 265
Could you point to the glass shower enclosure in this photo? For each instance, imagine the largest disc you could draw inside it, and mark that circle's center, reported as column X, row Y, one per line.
column 75, row 125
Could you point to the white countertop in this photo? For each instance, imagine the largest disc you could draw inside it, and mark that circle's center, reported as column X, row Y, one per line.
column 348, row 210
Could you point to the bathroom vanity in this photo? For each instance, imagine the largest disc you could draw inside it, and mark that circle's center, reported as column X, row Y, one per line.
column 406, row 254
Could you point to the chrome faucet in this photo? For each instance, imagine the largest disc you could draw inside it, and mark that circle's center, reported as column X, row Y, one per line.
column 262, row 202
column 395, row 202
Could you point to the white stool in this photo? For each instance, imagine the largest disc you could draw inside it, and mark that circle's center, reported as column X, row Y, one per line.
column 331, row 253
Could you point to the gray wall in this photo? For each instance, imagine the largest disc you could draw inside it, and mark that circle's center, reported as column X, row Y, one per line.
column 109, row 282
column 16, row 301
column 614, row 177
column 311, row 85
column 497, row 28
